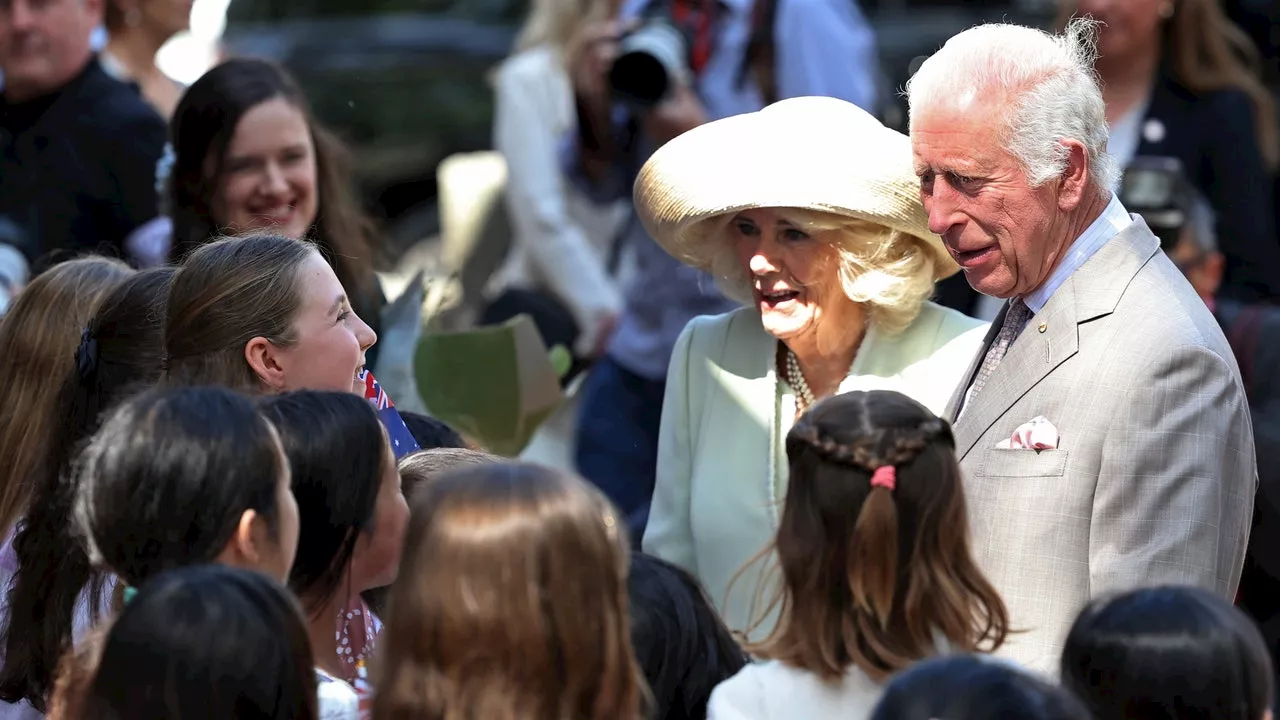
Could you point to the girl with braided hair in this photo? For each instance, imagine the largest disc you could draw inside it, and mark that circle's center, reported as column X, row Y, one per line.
column 876, row 570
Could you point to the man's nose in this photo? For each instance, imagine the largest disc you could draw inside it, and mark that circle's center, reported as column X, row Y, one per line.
column 21, row 18
column 939, row 203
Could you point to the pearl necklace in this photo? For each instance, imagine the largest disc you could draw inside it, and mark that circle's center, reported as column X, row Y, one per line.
column 795, row 378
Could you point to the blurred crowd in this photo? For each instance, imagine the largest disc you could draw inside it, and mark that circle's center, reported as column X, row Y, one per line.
column 977, row 421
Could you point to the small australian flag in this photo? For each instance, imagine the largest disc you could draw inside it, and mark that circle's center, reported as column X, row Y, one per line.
column 402, row 442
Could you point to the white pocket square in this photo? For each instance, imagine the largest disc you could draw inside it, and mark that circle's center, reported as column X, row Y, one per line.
column 1038, row 434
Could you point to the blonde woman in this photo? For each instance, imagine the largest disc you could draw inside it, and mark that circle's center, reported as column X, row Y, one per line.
column 809, row 212
column 559, row 267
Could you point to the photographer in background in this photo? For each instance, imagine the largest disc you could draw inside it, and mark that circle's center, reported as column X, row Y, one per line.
column 1184, row 221
column 685, row 62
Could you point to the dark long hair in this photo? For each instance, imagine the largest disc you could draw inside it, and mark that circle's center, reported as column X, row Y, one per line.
column 121, row 349
column 206, row 641
column 682, row 646
column 969, row 687
column 167, row 479
column 336, row 450
column 1125, row 654
column 203, row 125
column 872, row 575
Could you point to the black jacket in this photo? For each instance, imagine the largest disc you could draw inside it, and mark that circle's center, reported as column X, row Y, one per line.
column 1214, row 136
column 78, row 170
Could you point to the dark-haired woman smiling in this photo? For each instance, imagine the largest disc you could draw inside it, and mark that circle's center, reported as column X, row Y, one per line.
column 249, row 157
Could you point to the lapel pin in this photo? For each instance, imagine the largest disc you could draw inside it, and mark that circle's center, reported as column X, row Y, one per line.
column 1153, row 131
column 1043, row 326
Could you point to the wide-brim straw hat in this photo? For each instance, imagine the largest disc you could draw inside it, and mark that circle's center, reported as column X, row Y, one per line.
column 812, row 153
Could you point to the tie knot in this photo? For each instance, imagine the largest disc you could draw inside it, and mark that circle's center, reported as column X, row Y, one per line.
column 1017, row 315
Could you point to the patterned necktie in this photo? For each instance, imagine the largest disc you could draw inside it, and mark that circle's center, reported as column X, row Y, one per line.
column 1014, row 320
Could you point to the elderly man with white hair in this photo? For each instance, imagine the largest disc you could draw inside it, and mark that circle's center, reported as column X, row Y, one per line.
column 1103, row 428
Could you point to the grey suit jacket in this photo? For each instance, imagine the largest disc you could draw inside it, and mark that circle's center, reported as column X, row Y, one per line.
column 1154, row 477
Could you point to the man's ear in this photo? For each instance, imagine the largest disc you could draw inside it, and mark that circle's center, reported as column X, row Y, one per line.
column 1075, row 177
column 265, row 361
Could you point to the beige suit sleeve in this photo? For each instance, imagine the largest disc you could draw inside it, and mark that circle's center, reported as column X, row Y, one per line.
column 1178, row 476
column 669, row 534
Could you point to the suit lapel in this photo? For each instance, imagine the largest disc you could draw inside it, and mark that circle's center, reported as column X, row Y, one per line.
column 1053, row 334
column 953, row 406
column 1050, row 337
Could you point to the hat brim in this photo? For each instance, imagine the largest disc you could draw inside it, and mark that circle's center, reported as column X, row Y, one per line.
column 814, row 153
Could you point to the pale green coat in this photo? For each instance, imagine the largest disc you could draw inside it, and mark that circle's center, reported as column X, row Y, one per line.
column 724, row 420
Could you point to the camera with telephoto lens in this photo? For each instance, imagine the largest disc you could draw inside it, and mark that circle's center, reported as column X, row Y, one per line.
column 652, row 60
column 1156, row 189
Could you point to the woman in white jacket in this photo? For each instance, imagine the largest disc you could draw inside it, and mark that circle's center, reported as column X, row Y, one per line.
column 559, row 267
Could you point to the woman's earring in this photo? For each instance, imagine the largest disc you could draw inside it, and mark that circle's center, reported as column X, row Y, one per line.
column 1166, row 10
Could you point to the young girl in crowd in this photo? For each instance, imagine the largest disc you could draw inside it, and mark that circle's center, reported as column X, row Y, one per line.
column 512, row 603
column 249, row 157
column 178, row 477
column 353, row 523
column 39, row 336
column 1168, row 653
column 682, row 646
column 972, row 687
column 206, row 641
column 55, row 594
column 873, row 548
column 416, row 470
column 261, row 314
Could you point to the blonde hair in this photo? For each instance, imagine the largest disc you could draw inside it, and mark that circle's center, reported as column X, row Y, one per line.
column 1208, row 52
column 511, row 603
column 40, row 335
column 559, row 23
column 889, row 271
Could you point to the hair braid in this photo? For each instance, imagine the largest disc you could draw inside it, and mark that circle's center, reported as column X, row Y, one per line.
column 907, row 445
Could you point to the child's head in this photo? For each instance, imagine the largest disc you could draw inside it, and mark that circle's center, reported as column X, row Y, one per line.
column 969, row 687
column 205, row 642
column 348, row 490
column 512, row 602
column 421, row 467
column 121, row 349
column 682, row 646
column 263, row 313
column 186, row 476
column 873, row 543
column 1166, row 653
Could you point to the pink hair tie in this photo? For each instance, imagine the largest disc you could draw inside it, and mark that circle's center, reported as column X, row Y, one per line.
column 886, row 477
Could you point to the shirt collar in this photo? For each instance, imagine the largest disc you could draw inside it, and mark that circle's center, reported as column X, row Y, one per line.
column 1113, row 220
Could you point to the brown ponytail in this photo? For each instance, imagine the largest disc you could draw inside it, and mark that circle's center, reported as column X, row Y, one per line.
column 873, row 544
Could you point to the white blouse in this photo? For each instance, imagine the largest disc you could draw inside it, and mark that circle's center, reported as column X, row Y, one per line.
column 776, row 691
column 562, row 241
